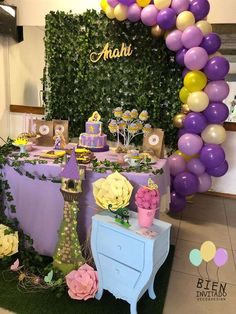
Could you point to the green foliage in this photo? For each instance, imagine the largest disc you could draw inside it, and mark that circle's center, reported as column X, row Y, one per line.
column 75, row 87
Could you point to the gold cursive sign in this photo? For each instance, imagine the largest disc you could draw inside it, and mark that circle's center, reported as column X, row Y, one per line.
column 108, row 53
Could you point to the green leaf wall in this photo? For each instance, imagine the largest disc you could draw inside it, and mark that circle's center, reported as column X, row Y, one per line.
column 75, row 87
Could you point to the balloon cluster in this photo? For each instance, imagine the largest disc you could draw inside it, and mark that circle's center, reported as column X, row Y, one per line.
column 201, row 133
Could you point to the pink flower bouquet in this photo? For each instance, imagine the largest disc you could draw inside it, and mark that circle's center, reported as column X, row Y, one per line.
column 82, row 283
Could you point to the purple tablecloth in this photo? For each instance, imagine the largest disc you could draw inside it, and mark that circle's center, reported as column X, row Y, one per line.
column 39, row 204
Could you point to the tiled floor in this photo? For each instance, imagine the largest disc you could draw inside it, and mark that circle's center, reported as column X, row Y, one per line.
column 206, row 218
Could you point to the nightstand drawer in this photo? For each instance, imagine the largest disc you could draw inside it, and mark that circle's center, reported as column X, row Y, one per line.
column 114, row 272
column 120, row 247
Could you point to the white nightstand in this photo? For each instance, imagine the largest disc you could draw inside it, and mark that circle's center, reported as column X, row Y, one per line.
column 126, row 261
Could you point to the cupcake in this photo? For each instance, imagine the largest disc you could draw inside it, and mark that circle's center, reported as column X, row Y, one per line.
column 112, row 126
column 133, row 128
column 147, row 129
column 126, row 115
column 118, row 112
column 122, row 124
column 143, row 115
column 134, row 114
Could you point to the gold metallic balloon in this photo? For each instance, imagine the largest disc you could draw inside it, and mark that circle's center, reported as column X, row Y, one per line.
column 156, row 31
column 178, row 120
column 185, row 108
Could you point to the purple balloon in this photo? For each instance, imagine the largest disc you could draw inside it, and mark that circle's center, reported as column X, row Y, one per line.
column 166, row 18
column 177, row 164
column 180, row 5
column 218, row 171
column 212, row 155
column 205, row 183
column 173, row 40
column 190, row 144
column 180, row 56
column 134, row 13
column 196, row 58
column 192, row 37
column 181, row 132
column 216, row 68
column 221, row 257
column 195, row 122
column 185, row 71
column 186, row 183
column 127, row 2
column 178, row 202
column 149, row 15
column 211, row 43
column 199, row 8
column 196, row 166
column 217, row 90
column 113, row 3
column 216, row 112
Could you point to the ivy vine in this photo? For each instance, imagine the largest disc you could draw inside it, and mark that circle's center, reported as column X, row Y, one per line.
column 74, row 86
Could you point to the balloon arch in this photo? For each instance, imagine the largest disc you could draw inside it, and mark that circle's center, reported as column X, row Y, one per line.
column 201, row 133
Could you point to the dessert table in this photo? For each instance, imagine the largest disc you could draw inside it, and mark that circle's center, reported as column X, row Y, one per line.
column 39, row 204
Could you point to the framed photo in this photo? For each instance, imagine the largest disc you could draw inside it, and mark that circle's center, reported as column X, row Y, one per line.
column 230, row 101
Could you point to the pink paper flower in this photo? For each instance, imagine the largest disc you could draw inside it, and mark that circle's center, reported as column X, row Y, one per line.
column 82, row 283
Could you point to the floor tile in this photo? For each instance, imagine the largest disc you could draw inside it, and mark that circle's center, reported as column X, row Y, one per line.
column 234, row 253
column 200, row 231
column 182, row 263
column 230, row 203
column 231, row 218
column 175, row 222
column 182, row 297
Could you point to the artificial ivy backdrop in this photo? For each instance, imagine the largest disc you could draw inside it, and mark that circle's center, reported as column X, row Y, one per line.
column 75, row 87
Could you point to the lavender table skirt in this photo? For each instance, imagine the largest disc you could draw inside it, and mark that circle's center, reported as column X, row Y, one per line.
column 39, row 204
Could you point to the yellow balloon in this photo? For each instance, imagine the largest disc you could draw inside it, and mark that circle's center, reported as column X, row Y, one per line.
column 183, row 94
column 186, row 157
column 156, row 31
column 214, row 134
column 121, row 12
column 103, row 5
column 204, row 26
column 198, row 101
column 162, row 4
column 178, row 120
column 110, row 12
column 185, row 108
column 208, row 251
column 185, row 19
column 143, row 3
column 195, row 81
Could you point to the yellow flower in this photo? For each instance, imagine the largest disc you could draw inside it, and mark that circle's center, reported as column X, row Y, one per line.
column 8, row 242
column 21, row 141
column 115, row 189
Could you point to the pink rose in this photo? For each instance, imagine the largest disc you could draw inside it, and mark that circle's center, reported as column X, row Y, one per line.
column 82, row 283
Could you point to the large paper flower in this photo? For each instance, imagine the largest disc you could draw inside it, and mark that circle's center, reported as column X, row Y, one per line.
column 115, row 190
column 82, row 283
column 8, row 241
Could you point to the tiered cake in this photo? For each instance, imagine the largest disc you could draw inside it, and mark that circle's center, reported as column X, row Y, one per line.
column 94, row 139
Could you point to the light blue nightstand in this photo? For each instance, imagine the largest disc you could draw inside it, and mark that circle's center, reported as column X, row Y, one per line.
column 127, row 262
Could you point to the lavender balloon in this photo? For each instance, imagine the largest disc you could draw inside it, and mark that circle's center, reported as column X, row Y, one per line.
column 205, row 182
column 190, row 144
column 134, row 13
column 192, row 37
column 178, row 202
column 216, row 68
column 166, row 18
column 173, row 40
column 221, row 257
column 196, row 58
column 149, row 15
column 217, row 90
column 180, row 56
column 113, row 3
column 216, row 112
column 195, row 122
column 196, row 166
column 199, row 8
column 186, row 183
column 127, row 2
column 181, row 132
column 212, row 155
column 177, row 164
column 211, row 43
column 218, row 171
column 180, row 5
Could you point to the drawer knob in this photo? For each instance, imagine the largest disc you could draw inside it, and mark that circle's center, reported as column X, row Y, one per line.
column 119, row 247
column 117, row 271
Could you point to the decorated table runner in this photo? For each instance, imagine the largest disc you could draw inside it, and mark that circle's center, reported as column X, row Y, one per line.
column 39, row 203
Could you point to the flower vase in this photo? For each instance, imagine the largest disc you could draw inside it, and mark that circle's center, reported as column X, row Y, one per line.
column 146, row 217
